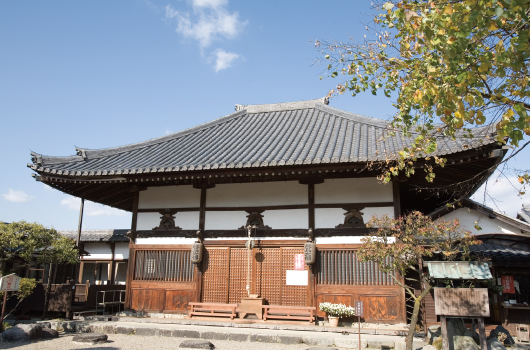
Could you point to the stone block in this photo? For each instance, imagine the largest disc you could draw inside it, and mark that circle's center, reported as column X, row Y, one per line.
column 23, row 332
column 239, row 336
column 186, row 333
column 267, row 338
column 350, row 343
column 289, row 339
column 48, row 333
column 196, row 344
column 379, row 344
column 318, row 341
column 162, row 332
column 125, row 330
column 91, row 338
column 146, row 331
column 214, row 335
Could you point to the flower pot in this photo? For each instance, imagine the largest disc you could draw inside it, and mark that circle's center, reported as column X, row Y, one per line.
column 333, row 321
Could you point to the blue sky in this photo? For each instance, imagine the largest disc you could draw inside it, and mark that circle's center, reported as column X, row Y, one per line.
column 98, row 74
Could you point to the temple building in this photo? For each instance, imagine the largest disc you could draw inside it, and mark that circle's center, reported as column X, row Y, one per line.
column 252, row 188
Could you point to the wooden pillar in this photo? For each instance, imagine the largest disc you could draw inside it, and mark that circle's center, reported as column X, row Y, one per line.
column 132, row 241
column 81, row 267
column 311, row 205
column 202, row 224
column 397, row 199
column 112, row 276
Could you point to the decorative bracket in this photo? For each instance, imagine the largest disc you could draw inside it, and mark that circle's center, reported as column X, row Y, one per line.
column 353, row 218
column 255, row 219
column 167, row 221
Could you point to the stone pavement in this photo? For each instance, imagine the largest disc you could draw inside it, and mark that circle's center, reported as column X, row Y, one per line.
column 251, row 332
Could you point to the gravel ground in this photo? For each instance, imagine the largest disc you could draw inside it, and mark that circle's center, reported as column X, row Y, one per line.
column 125, row 342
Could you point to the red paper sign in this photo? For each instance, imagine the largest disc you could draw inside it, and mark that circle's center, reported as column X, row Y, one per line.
column 508, row 285
column 299, row 262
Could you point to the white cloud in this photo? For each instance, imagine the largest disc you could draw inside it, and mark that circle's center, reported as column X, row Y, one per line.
column 502, row 195
column 224, row 59
column 208, row 21
column 17, row 196
column 91, row 208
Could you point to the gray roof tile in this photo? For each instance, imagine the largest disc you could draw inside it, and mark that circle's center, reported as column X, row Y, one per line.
column 304, row 132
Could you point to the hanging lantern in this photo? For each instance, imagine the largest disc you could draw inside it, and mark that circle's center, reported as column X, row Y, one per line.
column 310, row 253
column 196, row 252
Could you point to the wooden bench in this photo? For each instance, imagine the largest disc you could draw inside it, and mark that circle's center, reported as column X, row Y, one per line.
column 212, row 309
column 305, row 313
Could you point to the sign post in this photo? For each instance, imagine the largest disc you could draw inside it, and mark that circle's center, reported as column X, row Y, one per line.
column 359, row 311
column 8, row 283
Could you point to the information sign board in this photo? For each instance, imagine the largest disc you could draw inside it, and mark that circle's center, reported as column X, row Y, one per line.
column 9, row 283
column 359, row 309
column 299, row 262
column 508, row 284
column 470, row 302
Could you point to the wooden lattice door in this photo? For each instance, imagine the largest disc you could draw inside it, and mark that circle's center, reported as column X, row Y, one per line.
column 225, row 275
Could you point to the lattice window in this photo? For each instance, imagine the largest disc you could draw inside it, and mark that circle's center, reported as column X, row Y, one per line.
column 238, row 273
column 215, row 275
column 163, row 265
column 343, row 268
column 269, row 275
column 292, row 295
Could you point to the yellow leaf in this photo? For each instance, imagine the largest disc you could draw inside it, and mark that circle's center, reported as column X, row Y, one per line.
column 431, row 70
column 458, row 115
column 493, row 26
column 451, row 40
column 483, row 68
column 441, row 32
column 448, row 10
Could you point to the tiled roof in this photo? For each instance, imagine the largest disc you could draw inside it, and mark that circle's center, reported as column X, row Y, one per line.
column 98, row 235
column 295, row 133
column 524, row 214
column 501, row 254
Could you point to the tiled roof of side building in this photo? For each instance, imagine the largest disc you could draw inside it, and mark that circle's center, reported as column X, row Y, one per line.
column 294, row 133
column 501, row 254
column 524, row 214
column 90, row 236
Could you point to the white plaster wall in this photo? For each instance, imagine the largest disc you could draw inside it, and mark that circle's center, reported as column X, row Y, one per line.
column 121, row 273
column 331, row 217
column 286, row 219
column 99, row 251
column 169, row 197
column 328, row 217
column 186, row 220
column 225, row 220
column 257, row 194
column 165, row 240
column 343, row 240
column 356, row 190
column 121, row 251
column 468, row 217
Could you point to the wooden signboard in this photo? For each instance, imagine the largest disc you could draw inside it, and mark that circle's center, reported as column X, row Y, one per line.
column 465, row 302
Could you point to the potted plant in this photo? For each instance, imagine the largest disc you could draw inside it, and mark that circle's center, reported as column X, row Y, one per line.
column 336, row 311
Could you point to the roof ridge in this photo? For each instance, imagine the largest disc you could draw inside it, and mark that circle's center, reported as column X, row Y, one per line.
column 282, row 106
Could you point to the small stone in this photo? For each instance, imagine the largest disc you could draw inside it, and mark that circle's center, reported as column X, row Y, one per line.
column 507, row 338
column 196, row 344
column 48, row 333
column 91, row 338
column 463, row 342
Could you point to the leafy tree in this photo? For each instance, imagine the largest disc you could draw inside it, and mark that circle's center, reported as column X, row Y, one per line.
column 460, row 63
column 32, row 243
column 400, row 245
